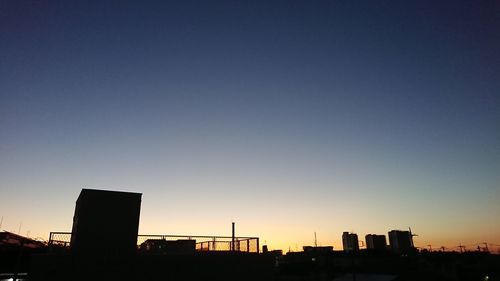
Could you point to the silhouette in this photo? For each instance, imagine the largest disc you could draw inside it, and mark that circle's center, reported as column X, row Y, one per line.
column 350, row 242
column 162, row 246
column 15, row 251
column 401, row 241
column 376, row 242
column 106, row 222
column 103, row 246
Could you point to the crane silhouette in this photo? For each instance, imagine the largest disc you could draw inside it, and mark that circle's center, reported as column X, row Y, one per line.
column 411, row 237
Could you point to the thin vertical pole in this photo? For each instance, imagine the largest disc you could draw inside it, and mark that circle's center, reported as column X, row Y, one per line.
column 232, row 239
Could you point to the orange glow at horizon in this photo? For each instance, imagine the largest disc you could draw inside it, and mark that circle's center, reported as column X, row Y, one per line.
column 290, row 238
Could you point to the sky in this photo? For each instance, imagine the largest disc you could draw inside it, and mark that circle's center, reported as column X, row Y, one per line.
column 287, row 117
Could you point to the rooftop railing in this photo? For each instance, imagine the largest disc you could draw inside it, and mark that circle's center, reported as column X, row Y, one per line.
column 152, row 243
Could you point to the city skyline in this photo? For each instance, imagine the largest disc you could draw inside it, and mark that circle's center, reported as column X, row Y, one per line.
column 288, row 118
column 337, row 241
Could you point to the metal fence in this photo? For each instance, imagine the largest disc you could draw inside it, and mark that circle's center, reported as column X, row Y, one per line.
column 61, row 239
column 202, row 243
column 210, row 243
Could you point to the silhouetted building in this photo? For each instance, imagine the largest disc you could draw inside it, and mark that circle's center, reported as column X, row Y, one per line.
column 162, row 246
column 318, row 249
column 9, row 239
column 350, row 242
column 264, row 249
column 276, row 253
column 106, row 222
column 400, row 241
column 376, row 242
column 105, row 232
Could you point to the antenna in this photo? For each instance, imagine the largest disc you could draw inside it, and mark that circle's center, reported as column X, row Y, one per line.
column 19, row 231
column 315, row 240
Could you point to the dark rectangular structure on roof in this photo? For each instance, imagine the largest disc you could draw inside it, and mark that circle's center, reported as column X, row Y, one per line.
column 106, row 222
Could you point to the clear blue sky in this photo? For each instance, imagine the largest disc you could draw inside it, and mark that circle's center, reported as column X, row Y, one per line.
column 287, row 116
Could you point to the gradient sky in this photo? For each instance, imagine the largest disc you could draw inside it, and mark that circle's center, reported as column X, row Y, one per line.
column 288, row 117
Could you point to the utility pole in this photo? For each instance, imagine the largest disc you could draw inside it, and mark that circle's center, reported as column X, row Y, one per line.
column 461, row 248
column 315, row 241
column 232, row 239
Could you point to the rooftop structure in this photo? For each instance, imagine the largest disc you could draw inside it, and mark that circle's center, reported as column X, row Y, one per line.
column 9, row 239
column 99, row 216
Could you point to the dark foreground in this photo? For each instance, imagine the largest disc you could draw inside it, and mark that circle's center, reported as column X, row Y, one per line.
column 333, row 265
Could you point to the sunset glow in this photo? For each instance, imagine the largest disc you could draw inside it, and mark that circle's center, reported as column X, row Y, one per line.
column 288, row 118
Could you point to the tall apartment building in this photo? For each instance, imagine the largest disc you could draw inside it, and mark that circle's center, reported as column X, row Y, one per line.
column 350, row 242
column 401, row 241
column 376, row 242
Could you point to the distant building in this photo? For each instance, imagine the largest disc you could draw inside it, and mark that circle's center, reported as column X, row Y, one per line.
column 318, row 249
column 400, row 241
column 265, row 249
column 9, row 240
column 376, row 242
column 106, row 222
column 277, row 253
column 162, row 246
column 350, row 242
